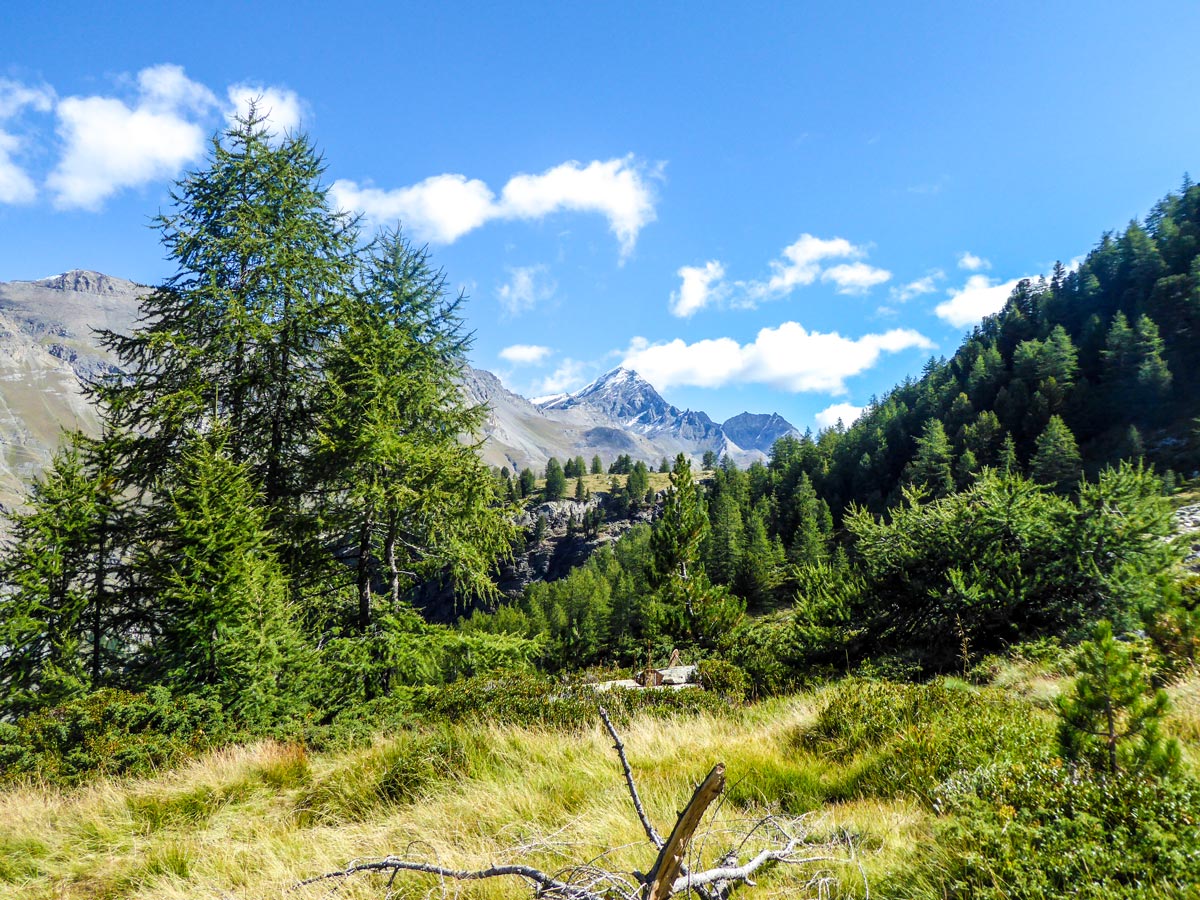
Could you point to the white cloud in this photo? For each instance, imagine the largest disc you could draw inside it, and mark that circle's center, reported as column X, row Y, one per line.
column 971, row 262
column 699, row 286
column 788, row 357
column 856, row 277
column 801, row 263
column 15, row 184
column 14, row 97
column 282, row 108
column 926, row 285
column 567, row 377
column 440, row 209
column 443, row 208
column 110, row 145
column 526, row 287
column 979, row 297
column 525, row 354
column 618, row 189
column 846, row 413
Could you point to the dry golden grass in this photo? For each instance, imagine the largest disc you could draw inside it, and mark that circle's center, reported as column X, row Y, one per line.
column 252, row 821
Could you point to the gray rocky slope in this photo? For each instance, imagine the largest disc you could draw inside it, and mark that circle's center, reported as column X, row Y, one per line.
column 48, row 350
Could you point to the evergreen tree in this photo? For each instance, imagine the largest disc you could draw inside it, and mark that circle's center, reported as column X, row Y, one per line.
column 1111, row 717
column 1008, row 463
column 930, row 467
column 1056, row 461
column 417, row 498
column 221, row 618
column 597, row 465
column 677, row 537
column 581, row 492
column 53, row 624
column 1153, row 376
column 241, row 332
column 556, row 481
column 527, row 482
column 638, row 482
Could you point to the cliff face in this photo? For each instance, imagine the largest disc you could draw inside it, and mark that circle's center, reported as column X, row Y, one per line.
column 48, row 352
column 547, row 560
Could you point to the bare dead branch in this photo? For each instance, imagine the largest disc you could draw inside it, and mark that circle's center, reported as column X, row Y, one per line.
column 661, row 879
column 547, row 885
column 655, row 837
column 786, row 839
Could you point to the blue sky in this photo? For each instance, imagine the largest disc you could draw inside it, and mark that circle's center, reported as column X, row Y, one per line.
column 776, row 207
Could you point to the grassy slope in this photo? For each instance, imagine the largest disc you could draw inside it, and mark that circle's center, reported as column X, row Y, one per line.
column 251, row 821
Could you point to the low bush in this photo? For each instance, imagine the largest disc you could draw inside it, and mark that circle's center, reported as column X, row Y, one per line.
column 911, row 738
column 532, row 702
column 1047, row 829
column 110, row 732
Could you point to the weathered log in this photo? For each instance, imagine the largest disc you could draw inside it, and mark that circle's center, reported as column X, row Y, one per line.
column 661, row 880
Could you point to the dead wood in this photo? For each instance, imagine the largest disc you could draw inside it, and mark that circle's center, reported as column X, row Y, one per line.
column 660, row 883
column 789, row 844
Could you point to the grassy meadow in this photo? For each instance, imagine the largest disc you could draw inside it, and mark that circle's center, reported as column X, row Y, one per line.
column 876, row 770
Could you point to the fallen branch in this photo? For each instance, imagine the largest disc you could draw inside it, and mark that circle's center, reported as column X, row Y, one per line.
column 655, row 837
column 668, row 876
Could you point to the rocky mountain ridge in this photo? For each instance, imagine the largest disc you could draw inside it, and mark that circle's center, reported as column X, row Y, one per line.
column 49, row 350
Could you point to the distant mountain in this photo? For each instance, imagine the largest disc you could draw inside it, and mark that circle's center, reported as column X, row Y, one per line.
column 48, row 351
column 628, row 399
column 758, row 431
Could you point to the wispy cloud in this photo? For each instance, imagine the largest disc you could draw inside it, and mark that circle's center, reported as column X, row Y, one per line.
column 443, row 208
column 978, row 298
column 926, row 285
column 699, row 286
column 527, row 286
column 788, row 357
column 567, row 377
column 282, row 108
column 525, row 354
column 846, row 413
column 972, row 263
column 800, row 264
column 856, row 277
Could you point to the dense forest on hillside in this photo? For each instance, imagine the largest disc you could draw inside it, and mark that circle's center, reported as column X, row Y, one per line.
column 287, row 461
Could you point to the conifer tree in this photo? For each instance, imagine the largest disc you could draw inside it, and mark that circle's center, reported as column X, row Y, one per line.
column 930, row 467
column 556, row 481
column 526, row 483
column 417, row 498
column 53, row 623
column 222, row 619
column 679, row 534
column 597, row 465
column 580, row 490
column 1111, row 716
column 241, row 331
column 1056, row 461
column 1153, row 376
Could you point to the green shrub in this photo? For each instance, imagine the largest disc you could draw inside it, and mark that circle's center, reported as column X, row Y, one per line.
column 911, row 738
column 1047, row 829
column 533, row 702
column 110, row 732
column 723, row 679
